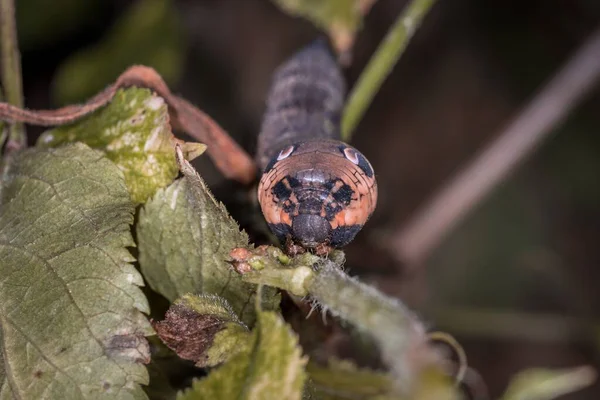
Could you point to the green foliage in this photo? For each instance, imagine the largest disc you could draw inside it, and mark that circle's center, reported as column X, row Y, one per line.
column 272, row 368
column 147, row 33
column 71, row 321
column 545, row 384
column 340, row 18
column 134, row 132
column 325, row 13
column 184, row 237
column 343, row 380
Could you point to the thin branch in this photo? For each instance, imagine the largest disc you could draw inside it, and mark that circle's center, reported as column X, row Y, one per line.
column 11, row 70
column 469, row 187
column 3, row 132
column 382, row 63
column 400, row 335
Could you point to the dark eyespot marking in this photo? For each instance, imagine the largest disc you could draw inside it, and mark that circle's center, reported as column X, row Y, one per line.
column 343, row 194
column 294, row 183
column 281, row 191
column 342, row 235
column 357, row 158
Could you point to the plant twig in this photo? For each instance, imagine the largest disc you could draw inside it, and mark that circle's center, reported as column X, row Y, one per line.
column 11, row 71
column 382, row 63
column 399, row 334
column 414, row 242
column 3, row 131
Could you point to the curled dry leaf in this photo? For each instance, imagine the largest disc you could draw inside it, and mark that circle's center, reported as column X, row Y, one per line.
column 227, row 155
column 203, row 329
column 270, row 368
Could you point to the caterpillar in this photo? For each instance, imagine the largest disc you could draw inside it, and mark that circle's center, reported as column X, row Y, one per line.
column 315, row 190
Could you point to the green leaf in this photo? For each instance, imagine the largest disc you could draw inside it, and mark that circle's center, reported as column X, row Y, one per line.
column 340, row 18
column 148, row 33
column 203, row 329
column 185, row 236
column 545, row 384
column 134, row 132
column 70, row 320
column 344, row 380
column 272, row 368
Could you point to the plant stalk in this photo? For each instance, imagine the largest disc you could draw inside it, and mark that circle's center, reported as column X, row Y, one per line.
column 399, row 334
column 382, row 63
column 10, row 60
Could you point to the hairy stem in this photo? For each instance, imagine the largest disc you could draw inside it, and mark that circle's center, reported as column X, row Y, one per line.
column 10, row 60
column 381, row 64
column 399, row 334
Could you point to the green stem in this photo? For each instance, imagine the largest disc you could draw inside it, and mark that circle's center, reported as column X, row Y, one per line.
column 398, row 333
column 400, row 336
column 11, row 70
column 3, row 132
column 381, row 64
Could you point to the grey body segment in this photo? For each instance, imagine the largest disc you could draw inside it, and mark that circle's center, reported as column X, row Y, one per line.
column 305, row 102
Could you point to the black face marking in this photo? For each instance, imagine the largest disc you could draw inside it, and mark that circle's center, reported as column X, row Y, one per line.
column 331, row 210
column 294, row 183
column 270, row 165
column 343, row 235
column 282, row 231
column 281, row 191
column 364, row 165
column 310, row 205
column 343, row 194
column 289, row 207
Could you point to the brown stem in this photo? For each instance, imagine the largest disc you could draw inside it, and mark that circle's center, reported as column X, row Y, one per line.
column 414, row 242
column 11, row 71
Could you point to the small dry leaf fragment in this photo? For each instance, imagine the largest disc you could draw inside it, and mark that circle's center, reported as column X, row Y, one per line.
column 271, row 367
column 195, row 328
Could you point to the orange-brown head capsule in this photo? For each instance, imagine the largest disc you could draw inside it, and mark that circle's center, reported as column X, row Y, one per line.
column 318, row 193
column 315, row 191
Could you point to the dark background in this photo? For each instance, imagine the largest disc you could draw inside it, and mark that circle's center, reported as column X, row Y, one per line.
column 516, row 282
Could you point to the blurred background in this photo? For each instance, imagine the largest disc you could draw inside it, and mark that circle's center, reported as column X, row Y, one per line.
column 517, row 281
